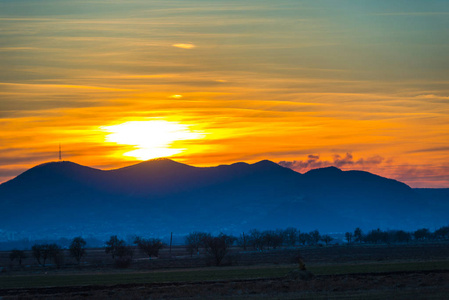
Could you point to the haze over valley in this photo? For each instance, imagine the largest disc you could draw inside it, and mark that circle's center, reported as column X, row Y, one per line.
column 156, row 197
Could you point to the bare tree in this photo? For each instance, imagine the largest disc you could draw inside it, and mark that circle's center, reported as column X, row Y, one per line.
column 123, row 256
column 17, row 254
column 256, row 239
column 442, row 233
column 349, row 236
column 315, row 237
column 242, row 241
column 37, row 253
column 113, row 246
column 303, row 238
column 422, row 234
column 195, row 240
column 57, row 255
column 272, row 239
column 358, row 235
column 377, row 236
column 291, row 236
column 218, row 246
column 327, row 239
column 77, row 248
column 42, row 252
column 400, row 236
column 150, row 247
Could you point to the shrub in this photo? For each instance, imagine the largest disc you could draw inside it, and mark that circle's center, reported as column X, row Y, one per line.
column 17, row 254
column 218, row 246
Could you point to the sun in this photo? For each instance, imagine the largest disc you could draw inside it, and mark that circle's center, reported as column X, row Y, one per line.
column 151, row 139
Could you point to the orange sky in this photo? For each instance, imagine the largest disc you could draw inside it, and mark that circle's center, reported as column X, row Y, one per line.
column 358, row 84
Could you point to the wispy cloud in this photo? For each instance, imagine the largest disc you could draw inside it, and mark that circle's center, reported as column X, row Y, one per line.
column 415, row 14
column 184, row 46
column 313, row 161
column 435, row 149
column 417, row 175
column 266, row 80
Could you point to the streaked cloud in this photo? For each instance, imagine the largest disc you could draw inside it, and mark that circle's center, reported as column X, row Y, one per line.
column 184, row 46
column 313, row 161
column 415, row 14
column 266, row 80
column 437, row 149
column 418, row 175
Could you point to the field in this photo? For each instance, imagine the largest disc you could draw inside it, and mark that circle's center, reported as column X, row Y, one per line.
column 356, row 272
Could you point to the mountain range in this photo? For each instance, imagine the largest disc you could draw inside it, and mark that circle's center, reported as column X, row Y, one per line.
column 160, row 196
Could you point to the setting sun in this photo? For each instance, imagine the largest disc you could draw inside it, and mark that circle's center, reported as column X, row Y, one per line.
column 150, row 139
column 354, row 85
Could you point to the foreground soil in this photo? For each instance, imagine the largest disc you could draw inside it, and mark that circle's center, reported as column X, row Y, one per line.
column 356, row 272
column 399, row 285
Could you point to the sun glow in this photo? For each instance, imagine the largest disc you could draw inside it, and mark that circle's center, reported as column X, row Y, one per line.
column 151, row 139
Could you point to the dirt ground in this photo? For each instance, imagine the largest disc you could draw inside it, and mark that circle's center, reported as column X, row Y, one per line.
column 411, row 284
column 397, row 285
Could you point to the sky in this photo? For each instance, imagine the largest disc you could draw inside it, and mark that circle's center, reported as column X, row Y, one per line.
column 357, row 84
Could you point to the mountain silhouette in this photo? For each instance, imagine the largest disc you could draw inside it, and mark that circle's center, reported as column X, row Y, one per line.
column 160, row 196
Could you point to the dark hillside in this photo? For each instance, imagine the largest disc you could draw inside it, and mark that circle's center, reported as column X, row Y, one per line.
column 159, row 196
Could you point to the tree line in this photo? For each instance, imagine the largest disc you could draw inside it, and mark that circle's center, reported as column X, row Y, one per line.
column 379, row 236
column 121, row 252
column 217, row 247
column 45, row 252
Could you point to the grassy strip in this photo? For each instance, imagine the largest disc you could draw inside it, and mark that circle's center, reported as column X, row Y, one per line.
column 397, row 294
column 43, row 280
column 379, row 267
column 121, row 278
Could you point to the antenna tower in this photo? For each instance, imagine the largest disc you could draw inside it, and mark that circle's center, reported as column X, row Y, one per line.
column 60, row 155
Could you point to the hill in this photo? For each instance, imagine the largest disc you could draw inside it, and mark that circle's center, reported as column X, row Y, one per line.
column 162, row 196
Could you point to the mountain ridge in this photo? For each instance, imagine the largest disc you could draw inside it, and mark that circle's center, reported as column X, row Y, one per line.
column 160, row 195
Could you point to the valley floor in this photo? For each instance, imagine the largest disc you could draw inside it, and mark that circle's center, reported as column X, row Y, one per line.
column 430, row 284
column 408, row 272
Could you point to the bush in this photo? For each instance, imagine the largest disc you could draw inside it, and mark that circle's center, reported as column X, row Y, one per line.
column 217, row 247
column 123, row 263
column 195, row 240
column 42, row 252
column 113, row 245
column 150, row 247
column 17, row 254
